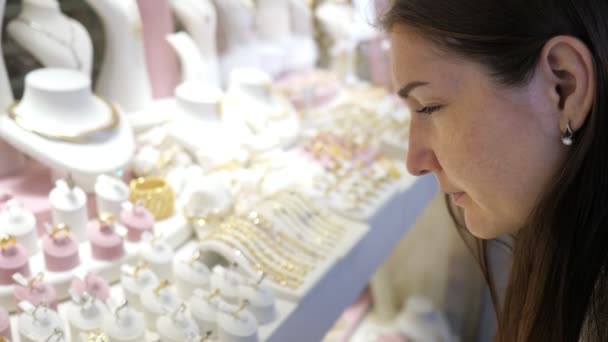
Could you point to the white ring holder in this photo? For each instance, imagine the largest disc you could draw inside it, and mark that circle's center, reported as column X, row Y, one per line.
column 157, row 301
column 177, row 326
column 84, row 313
column 17, row 221
column 261, row 300
column 158, row 254
column 37, row 323
column 136, row 279
column 110, row 194
column 236, row 325
column 69, row 206
column 190, row 275
column 60, row 101
column 228, row 280
column 204, row 307
column 124, row 324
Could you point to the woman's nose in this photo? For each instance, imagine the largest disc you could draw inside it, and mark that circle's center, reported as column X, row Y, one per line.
column 421, row 159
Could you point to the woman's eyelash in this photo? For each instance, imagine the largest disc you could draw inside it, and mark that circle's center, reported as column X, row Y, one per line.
column 429, row 109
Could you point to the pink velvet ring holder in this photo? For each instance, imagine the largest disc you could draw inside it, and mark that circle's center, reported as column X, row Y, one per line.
column 5, row 324
column 36, row 291
column 13, row 259
column 92, row 284
column 137, row 220
column 106, row 244
column 60, row 250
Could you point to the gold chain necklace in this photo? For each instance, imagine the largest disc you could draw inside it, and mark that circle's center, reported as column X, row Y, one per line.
column 80, row 137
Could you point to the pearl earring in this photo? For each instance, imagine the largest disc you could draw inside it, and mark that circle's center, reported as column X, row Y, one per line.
column 567, row 137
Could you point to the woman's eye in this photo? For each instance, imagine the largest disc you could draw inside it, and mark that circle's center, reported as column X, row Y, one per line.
column 429, row 109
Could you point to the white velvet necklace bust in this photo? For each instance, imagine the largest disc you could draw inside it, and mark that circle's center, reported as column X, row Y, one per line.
column 123, row 77
column 54, row 39
column 236, row 36
column 199, row 17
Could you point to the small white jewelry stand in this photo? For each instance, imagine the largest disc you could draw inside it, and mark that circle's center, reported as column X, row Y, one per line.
column 59, row 100
column 10, row 159
column 273, row 28
column 193, row 66
column 303, row 40
column 123, row 77
column 199, row 18
column 237, row 45
column 338, row 20
column 51, row 37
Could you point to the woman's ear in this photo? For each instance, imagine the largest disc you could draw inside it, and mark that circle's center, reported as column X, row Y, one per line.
column 568, row 69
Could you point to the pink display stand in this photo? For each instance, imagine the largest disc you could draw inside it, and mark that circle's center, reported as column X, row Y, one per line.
column 105, row 243
column 162, row 63
column 138, row 220
column 60, row 252
column 38, row 294
column 13, row 260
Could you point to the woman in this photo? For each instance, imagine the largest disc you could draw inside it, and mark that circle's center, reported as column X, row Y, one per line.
column 510, row 113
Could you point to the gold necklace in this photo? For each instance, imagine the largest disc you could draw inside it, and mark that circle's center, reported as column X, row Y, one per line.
column 80, row 137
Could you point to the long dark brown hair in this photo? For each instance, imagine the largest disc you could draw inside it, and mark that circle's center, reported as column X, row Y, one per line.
column 558, row 286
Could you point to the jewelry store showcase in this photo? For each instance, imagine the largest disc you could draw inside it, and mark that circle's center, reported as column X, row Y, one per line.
column 216, row 170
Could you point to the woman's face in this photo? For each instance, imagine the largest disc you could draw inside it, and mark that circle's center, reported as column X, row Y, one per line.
column 492, row 148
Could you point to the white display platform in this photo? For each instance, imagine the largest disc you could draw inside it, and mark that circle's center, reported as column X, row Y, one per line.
column 344, row 276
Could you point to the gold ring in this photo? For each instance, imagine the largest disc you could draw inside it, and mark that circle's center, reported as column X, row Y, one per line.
column 238, row 311
column 140, row 267
column 106, row 220
column 7, row 242
column 163, row 285
column 61, row 227
column 37, row 279
column 155, row 194
column 213, row 294
column 97, row 336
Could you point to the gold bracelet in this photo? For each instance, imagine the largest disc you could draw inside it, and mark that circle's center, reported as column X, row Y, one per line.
column 80, row 137
column 314, row 219
column 155, row 194
column 321, row 239
column 250, row 241
column 252, row 235
column 321, row 214
column 255, row 260
column 268, row 227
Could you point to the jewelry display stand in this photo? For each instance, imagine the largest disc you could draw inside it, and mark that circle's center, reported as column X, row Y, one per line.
column 193, row 67
column 123, row 77
column 303, row 40
column 56, row 100
column 273, row 28
column 11, row 160
column 160, row 59
column 338, row 20
column 51, row 37
column 199, row 18
column 237, row 45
